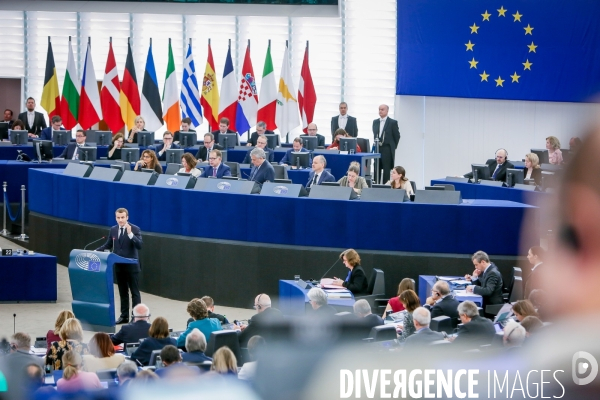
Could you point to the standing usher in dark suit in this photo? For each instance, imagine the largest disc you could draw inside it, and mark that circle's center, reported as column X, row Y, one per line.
column 127, row 274
column 39, row 122
column 489, row 286
column 388, row 142
column 351, row 125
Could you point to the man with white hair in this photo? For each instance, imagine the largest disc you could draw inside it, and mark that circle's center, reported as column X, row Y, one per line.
column 258, row 324
column 475, row 330
column 137, row 329
column 19, row 357
column 362, row 309
column 442, row 303
column 318, row 301
column 514, row 334
column 195, row 343
column 126, row 372
column 423, row 336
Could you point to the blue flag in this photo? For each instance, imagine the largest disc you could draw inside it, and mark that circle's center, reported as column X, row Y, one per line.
column 544, row 50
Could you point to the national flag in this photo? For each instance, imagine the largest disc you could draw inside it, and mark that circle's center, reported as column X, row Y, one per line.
column 90, row 111
column 267, row 101
column 247, row 98
column 50, row 95
column 151, row 106
column 307, row 97
column 69, row 104
column 210, row 93
column 190, row 95
column 109, row 95
column 229, row 92
column 129, row 98
column 171, row 111
column 287, row 116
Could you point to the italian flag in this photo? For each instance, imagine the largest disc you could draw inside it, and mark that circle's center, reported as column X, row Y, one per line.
column 69, row 103
column 171, row 110
column 267, row 99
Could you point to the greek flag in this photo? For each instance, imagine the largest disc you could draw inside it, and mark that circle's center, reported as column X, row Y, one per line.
column 190, row 95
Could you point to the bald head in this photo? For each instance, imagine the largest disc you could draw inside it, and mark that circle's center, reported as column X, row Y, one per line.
column 262, row 302
column 311, row 129
column 383, row 110
column 141, row 312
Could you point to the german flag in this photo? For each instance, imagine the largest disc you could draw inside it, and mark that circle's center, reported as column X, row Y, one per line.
column 129, row 97
column 50, row 95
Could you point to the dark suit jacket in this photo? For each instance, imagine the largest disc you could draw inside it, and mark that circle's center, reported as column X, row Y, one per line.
column 176, row 137
column 39, row 122
column 357, row 283
column 533, row 280
column 448, row 307
column 47, row 133
column 320, row 139
column 489, row 286
column 131, row 333
column 264, row 173
column 391, row 132
column 217, row 132
column 124, row 246
column 536, row 175
column 201, row 154
column 423, row 337
column 324, row 311
column 222, row 171
column 268, row 152
column 254, row 137
column 195, row 357
column 256, row 325
column 325, row 177
column 148, row 345
column 287, row 158
column 475, row 333
column 68, row 152
column 501, row 175
column 163, row 156
column 351, row 126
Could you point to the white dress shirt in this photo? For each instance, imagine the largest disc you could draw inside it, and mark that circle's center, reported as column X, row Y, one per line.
column 342, row 121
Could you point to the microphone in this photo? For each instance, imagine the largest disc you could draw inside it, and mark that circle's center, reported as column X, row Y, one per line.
column 336, row 261
column 95, row 241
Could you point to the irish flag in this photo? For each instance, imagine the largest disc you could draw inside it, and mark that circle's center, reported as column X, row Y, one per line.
column 171, row 111
column 69, row 103
column 267, row 99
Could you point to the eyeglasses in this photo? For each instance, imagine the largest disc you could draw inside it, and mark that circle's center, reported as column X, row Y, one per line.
column 205, row 142
column 167, row 138
column 212, row 158
column 79, row 136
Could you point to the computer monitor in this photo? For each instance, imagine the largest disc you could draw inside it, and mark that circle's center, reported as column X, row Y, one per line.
column 330, row 184
column 309, row 142
column 173, row 156
column 3, row 130
column 187, row 139
column 88, row 153
column 480, row 172
column 228, row 140
column 61, row 137
column 145, row 139
column 130, row 155
column 272, row 140
column 103, row 138
column 542, row 155
column 282, row 181
column 378, row 186
column 18, row 137
column 300, row 159
column 435, row 188
column 514, row 175
column 348, row 144
column 43, row 150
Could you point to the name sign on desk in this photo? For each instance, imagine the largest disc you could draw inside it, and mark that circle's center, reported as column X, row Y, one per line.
column 7, row 252
column 227, row 186
column 282, row 190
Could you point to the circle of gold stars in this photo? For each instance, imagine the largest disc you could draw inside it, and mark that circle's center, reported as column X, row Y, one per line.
column 474, row 31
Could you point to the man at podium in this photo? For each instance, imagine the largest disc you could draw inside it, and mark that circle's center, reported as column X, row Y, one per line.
column 125, row 240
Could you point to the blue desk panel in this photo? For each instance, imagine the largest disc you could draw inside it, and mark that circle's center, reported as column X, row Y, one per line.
column 291, row 221
column 426, row 283
column 484, row 192
column 293, row 300
column 28, row 278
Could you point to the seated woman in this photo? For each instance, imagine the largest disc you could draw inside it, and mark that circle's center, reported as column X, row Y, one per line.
column 54, row 335
column 148, row 160
column 139, row 126
column 189, row 165
column 411, row 302
column 18, row 125
column 398, row 180
column 352, row 178
column 197, row 309
column 554, row 154
column 356, row 281
column 337, row 135
column 73, row 378
column 159, row 338
column 71, row 338
column 394, row 304
column 114, row 151
column 224, row 362
column 532, row 168
column 524, row 308
column 102, row 354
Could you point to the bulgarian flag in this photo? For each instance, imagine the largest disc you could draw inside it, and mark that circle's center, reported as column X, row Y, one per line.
column 69, row 103
column 267, row 99
column 171, row 110
column 50, row 95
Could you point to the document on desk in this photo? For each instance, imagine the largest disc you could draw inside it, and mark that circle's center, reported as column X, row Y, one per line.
column 464, row 293
column 338, row 293
column 448, row 278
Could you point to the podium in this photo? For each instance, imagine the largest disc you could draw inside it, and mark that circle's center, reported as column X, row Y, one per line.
column 92, row 286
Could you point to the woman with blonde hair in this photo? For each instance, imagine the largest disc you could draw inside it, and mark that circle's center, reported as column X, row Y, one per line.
column 554, row 154
column 73, row 378
column 53, row 335
column 148, row 160
column 394, row 304
column 102, row 354
column 139, row 126
column 532, row 168
column 71, row 339
column 353, row 178
column 224, row 362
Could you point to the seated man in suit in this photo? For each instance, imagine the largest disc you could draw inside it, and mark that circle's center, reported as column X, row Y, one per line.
column 486, row 279
column 8, row 117
column 318, row 301
column 261, row 143
column 423, row 336
column 362, row 309
column 312, row 131
column 195, row 344
column 71, row 152
column 442, row 303
column 296, row 147
column 261, row 129
column 173, row 365
column 137, row 329
column 161, row 149
column 475, row 330
column 535, row 256
column 223, row 128
column 217, row 169
column 318, row 174
column 258, row 324
column 55, row 126
column 262, row 170
column 34, row 121
column 209, row 145
column 185, row 127
column 499, row 166
column 344, row 121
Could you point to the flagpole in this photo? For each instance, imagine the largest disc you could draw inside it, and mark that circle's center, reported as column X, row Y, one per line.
column 48, row 39
column 242, row 70
column 287, row 134
column 209, row 122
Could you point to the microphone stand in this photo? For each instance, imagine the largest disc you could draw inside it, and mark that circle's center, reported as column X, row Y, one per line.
column 377, row 171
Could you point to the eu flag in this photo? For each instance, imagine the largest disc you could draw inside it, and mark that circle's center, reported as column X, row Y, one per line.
column 547, row 50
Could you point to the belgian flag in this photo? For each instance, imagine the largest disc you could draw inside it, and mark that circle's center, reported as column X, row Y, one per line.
column 50, row 95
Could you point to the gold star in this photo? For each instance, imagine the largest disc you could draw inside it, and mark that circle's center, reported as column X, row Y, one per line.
column 502, row 11
column 527, row 65
column 532, row 47
column 499, row 81
column 469, row 46
column 474, row 28
column 484, row 76
column 515, row 77
column 486, row 16
column 528, row 30
column 473, row 63
column 517, row 16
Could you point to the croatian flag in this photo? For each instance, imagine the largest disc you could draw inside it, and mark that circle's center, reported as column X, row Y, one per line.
column 247, row 97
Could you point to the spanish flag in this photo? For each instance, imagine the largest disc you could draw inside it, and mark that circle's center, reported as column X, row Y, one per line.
column 50, row 94
column 210, row 93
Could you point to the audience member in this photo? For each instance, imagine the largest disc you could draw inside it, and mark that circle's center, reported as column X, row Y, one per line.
column 514, row 335
column 262, row 170
column 531, row 324
column 475, row 330
column 73, row 378
column 126, row 372
column 140, row 124
column 318, row 174
column 143, row 378
column 56, row 125
column 173, row 367
column 258, row 324
column 261, row 143
column 522, row 309
column 318, row 301
column 344, row 121
column 185, row 127
column 261, row 130
column 157, row 339
column 362, row 309
column 535, row 256
column 442, row 303
column 53, row 334
column 486, row 279
column 388, row 132
column 335, row 145
column 217, row 168
column 499, row 166
column 353, row 178
column 532, row 168
column 311, row 130
column 248, row 370
column 137, row 329
column 195, row 344
column 37, row 382
column 167, row 144
column 574, row 144
column 356, row 280
column 411, row 302
column 209, row 145
column 554, row 154
column 71, row 338
column 8, row 117
column 19, row 357
column 224, row 362
column 18, row 125
column 71, row 152
column 102, row 354
column 296, row 148
column 197, row 309
column 423, row 336
column 394, row 304
column 223, row 128
column 188, row 163
column 400, row 181
column 210, row 306
column 114, row 151
column 34, row 121
column 148, row 160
